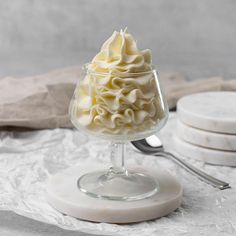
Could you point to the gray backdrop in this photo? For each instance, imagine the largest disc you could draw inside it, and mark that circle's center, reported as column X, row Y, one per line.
column 195, row 37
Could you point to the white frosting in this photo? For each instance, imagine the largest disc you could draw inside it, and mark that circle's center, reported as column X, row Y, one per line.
column 120, row 54
column 110, row 99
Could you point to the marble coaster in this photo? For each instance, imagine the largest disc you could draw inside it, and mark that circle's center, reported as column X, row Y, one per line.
column 205, row 154
column 206, row 139
column 213, row 111
column 63, row 195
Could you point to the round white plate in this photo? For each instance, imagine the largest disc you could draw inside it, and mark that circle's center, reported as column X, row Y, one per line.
column 63, row 195
column 213, row 111
column 219, row 141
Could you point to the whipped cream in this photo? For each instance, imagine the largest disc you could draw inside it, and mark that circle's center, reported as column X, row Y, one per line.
column 119, row 54
column 119, row 92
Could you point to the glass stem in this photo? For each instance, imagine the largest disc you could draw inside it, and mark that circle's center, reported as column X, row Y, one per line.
column 117, row 158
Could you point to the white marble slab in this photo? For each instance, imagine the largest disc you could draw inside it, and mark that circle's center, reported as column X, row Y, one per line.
column 64, row 195
column 220, row 141
column 213, row 111
column 204, row 154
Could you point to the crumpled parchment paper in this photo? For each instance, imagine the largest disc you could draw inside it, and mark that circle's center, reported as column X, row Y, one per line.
column 28, row 159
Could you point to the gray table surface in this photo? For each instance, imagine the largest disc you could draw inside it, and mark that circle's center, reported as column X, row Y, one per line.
column 12, row 224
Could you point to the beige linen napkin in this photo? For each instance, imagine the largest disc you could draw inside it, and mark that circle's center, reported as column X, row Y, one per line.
column 42, row 101
column 176, row 86
column 38, row 102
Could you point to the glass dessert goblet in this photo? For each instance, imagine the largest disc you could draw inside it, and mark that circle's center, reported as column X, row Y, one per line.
column 119, row 107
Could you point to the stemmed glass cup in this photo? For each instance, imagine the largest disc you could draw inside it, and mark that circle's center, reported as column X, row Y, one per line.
column 119, row 107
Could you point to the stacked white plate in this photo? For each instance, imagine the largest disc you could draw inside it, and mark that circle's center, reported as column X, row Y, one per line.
column 206, row 127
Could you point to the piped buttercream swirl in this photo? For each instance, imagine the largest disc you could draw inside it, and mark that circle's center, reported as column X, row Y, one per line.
column 119, row 54
column 119, row 92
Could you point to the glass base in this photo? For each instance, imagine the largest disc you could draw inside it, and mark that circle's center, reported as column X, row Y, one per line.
column 123, row 186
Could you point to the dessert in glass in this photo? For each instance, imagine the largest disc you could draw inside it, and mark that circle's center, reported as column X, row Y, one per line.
column 119, row 99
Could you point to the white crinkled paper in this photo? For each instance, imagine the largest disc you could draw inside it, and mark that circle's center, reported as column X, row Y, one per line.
column 28, row 159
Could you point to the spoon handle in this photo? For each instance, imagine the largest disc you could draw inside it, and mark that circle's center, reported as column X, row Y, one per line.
column 195, row 171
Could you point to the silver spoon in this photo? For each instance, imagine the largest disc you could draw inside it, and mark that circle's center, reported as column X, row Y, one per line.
column 153, row 146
